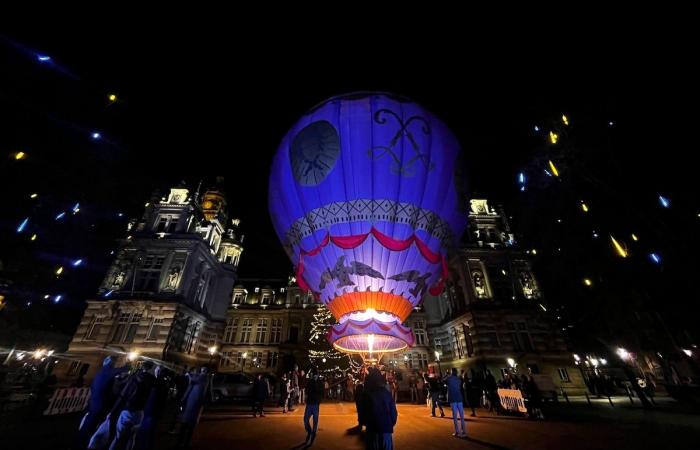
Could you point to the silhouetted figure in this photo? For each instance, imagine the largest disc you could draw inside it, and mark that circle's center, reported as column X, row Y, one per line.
column 379, row 412
column 314, row 394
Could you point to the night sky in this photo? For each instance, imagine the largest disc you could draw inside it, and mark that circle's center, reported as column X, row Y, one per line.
column 196, row 106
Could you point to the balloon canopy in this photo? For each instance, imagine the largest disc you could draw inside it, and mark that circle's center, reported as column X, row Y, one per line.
column 365, row 197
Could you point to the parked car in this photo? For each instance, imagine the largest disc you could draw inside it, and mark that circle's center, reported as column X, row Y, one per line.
column 231, row 386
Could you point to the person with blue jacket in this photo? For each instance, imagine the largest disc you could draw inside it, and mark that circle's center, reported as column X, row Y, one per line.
column 454, row 396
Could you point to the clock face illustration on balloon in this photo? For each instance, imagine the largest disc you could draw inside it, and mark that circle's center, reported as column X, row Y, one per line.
column 314, row 152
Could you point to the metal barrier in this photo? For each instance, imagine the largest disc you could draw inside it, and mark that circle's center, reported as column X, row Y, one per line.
column 67, row 400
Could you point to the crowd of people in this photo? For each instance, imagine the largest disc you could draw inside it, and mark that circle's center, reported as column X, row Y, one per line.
column 128, row 403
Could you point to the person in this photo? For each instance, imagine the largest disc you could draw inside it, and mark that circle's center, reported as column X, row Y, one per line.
column 327, row 389
column 284, row 393
column 469, row 393
column 294, row 381
column 454, row 396
column 101, row 400
column 314, row 394
column 349, row 388
column 302, row 387
column 413, row 388
column 261, row 392
column 492, row 391
column 130, row 405
column 155, row 405
column 359, row 391
column 193, row 401
column 380, row 413
column 534, row 399
column 434, row 384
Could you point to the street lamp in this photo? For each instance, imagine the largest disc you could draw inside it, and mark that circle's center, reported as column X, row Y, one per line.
column 437, row 359
column 244, row 355
column 132, row 356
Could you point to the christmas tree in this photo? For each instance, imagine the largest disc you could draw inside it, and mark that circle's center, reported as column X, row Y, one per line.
column 322, row 354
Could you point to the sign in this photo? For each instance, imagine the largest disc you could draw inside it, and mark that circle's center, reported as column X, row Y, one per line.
column 67, row 400
column 512, row 400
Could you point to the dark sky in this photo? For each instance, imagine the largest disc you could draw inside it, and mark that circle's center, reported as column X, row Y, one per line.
column 196, row 104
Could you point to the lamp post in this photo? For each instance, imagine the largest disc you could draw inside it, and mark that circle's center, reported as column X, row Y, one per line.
column 244, row 355
column 437, row 359
column 212, row 351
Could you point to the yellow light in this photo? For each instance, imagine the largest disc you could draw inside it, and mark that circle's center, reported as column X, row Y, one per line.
column 584, row 207
column 35, row 195
column 147, row 205
column 33, row 238
column 132, row 356
column 20, row 155
column 370, row 343
column 565, row 119
column 555, row 172
column 587, row 282
column 620, row 250
column 553, row 137
column 534, row 252
column 59, row 271
column 634, row 237
column 543, row 308
column 112, row 98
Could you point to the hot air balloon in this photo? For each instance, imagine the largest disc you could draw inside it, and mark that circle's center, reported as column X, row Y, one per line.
column 366, row 196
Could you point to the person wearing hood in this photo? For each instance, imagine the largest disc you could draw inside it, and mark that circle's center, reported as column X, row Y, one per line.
column 379, row 411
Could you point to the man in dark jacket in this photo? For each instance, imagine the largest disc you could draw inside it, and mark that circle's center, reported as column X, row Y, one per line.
column 130, row 405
column 379, row 411
column 154, row 409
column 314, row 394
column 261, row 392
column 435, row 388
column 101, row 400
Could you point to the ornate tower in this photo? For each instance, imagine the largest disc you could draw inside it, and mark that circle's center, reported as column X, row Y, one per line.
column 166, row 293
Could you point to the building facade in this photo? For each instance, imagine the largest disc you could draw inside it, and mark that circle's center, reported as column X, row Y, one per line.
column 166, row 293
column 493, row 315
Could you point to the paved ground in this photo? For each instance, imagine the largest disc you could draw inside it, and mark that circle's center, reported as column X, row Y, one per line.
column 568, row 426
column 575, row 426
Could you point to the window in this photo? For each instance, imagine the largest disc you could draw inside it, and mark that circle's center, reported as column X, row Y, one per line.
column 225, row 359
column 237, row 299
column 148, row 273
column 272, row 358
column 257, row 289
column 422, row 360
column 276, row 331
column 162, row 223
column 133, row 327
column 94, row 328
column 420, row 337
column 121, row 326
column 256, row 359
column 191, row 336
column 564, row 374
column 246, row 328
column 74, row 367
column 154, row 329
column 519, row 336
column 231, row 330
column 297, row 299
column 261, row 331
column 293, row 335
column 265, row 299
column 172, row 226
column 456, row 342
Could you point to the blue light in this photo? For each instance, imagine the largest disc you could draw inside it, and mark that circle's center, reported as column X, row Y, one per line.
column 76, row 208
column 43, row 58
column 77, row 262
column 61, row 216
column 95, row 135
column 521, row 178
column 537, row 128
column 654, row 257
column 22, row 225
column 57, row 298
column 547, row 173
column 119, row 214
column 522, row 188
column 109, row 293
column 595, row 235
column 664, row 201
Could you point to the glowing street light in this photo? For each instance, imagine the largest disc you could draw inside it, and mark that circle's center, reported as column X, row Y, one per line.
column 622, row 353
column 20, row 155
column 213, row 349
column 689, row 353
column 132, row 356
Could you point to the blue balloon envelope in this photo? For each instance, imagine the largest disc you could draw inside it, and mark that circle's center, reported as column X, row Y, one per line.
column 365, row 195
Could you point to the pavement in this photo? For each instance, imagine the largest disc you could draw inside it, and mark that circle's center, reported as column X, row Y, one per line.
column 568, row 426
